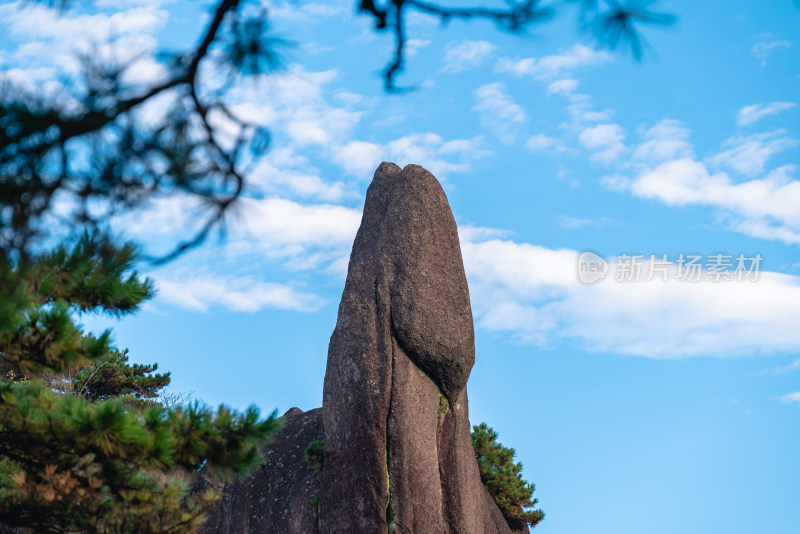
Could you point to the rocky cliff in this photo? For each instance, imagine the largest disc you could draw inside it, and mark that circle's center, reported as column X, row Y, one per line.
column 398, row 455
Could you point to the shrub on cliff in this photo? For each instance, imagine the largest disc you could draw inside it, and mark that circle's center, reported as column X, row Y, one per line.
column 503, row 477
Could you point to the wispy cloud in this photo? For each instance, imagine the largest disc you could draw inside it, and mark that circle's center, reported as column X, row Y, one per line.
column 272, row 176
column 241, row 294
column 545, row 143
column 465, row 55
column 605, row 141
column 756, row 112
column 287, row 233
column 563, row 86
column 764, row 208
column 788, row 368
column 498, row 111
column 764, row 49
column 575, row 223
column 314, row 121
column 554, row 66
column 664, row 167
column 311, row 11
column 666, row 140
column 415, row 45
column 748, row 155
column 441, row 157
column 791, row 398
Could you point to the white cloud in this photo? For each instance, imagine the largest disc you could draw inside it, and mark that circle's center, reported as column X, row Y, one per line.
column 666, row 169
column 549, row 67
column 308, row 12
column 764, row 49
column 575, row 223
column 145, row 70
column 36, row 21
column 348, row 97
column 498, row 111
column 242, row 294
column 360, row 158
column 545, row 143
column 51, row 38
column 296, row 235
column 180, row 215
column 789, row 368
column 269, row 177
column 294, row 104
column 605, row 141
column 278, row 222
column 791, row 398
column 748, row 155
column 597, row 116
column 565, row 86
column 436, row 153
column 665, row 141
column 414, row 45
column 765, row 208
column 765, row 229
column 533, row 294
column 465, row 55
column 756, row 112
column 319, row 9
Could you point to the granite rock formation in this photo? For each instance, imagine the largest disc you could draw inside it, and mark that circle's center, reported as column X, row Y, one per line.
column 279, row 497
column 398, row 454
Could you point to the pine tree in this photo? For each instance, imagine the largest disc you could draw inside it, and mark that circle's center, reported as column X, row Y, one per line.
column 114, row 377
column 83, row 446
column 503, row 477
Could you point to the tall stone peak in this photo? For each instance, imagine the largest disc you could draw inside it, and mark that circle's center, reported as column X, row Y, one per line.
column 398, row 454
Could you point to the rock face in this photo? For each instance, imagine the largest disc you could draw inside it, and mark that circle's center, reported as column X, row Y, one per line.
column 280, row 497
column 398, row 451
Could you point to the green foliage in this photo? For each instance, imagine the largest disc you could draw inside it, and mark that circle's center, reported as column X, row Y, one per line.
column 104, row 467
column 41, row 294
column 444, row 404
column 315, row 454
column 83, row 445
column 113, row 377
column 503, row 477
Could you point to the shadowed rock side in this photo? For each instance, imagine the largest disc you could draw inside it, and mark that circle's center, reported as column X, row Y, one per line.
column 398, row 451
column 280, row 497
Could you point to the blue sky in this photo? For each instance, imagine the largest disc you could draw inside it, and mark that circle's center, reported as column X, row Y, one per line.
column 655, row 407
